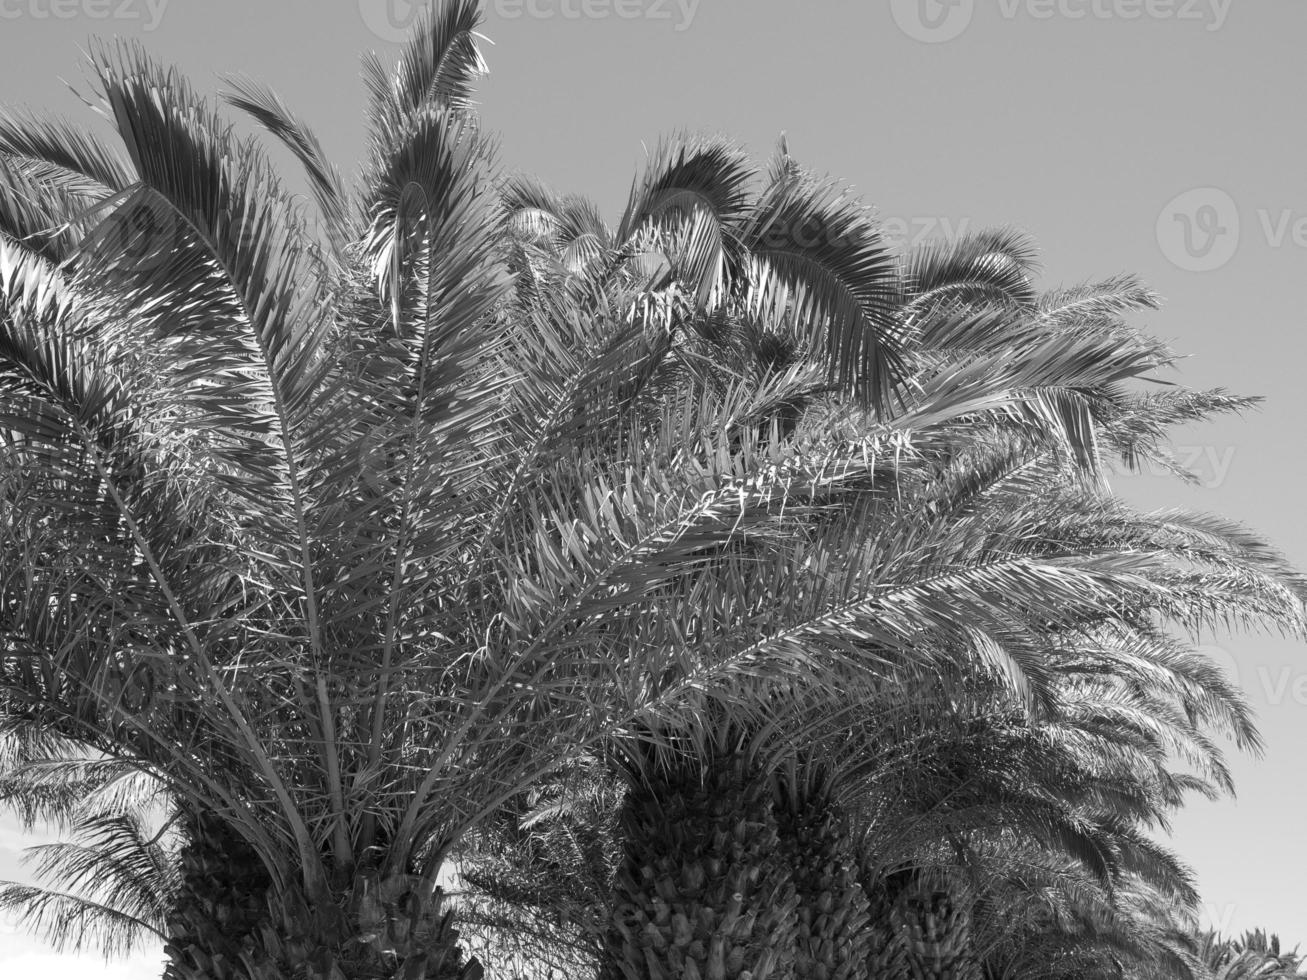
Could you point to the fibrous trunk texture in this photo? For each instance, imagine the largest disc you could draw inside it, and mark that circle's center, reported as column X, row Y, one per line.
column 221, row 904
column 396, row 927
column 832, row 941
column 703, row 892
column 887, row 953
column 936, row 932
column 230, row 923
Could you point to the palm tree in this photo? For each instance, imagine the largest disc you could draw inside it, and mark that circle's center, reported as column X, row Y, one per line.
column 537, row 876
column 350, row 538
column 987, row 841
column 938, row 521
column 111, row 883
column 308, row 525
column 997, row 840
column 965, row 484
column 712, row 245
column 1252, row 956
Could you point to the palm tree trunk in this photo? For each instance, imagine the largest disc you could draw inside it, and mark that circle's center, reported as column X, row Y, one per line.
column 936, row 928
column 887, row 953
column 833, row 940
column 229, row 923
column 221, row 904
column 380, row 929
column 703, row 892
column 918, row 928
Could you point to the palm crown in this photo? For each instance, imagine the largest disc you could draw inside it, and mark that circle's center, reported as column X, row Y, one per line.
column 352, row 530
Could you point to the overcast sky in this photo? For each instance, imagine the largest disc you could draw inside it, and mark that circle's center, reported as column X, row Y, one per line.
column 1159, row 137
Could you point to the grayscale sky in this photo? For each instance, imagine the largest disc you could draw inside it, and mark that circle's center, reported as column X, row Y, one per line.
column 1160, row 137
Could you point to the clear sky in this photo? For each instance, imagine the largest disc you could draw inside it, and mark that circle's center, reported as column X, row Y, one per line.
column 1160, row 137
